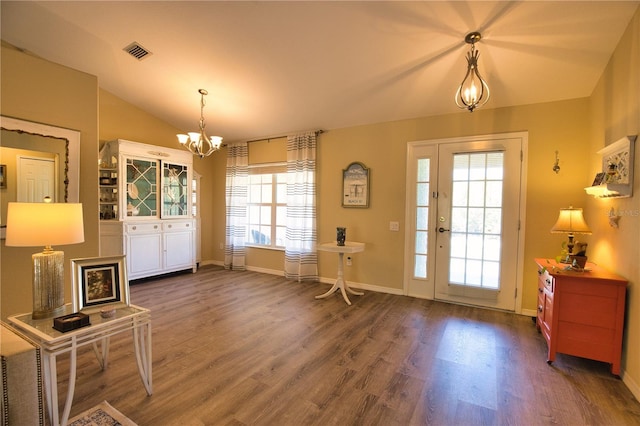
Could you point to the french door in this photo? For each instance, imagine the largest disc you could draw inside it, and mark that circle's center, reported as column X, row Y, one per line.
column 464, row 204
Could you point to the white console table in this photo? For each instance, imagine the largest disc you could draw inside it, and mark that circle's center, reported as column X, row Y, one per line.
column 54, row 343
column 348, row 247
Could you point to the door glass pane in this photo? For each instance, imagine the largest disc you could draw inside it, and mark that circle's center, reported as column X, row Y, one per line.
column 142, row 191
column 175, row 190
column 422, row 218
column 476, row 219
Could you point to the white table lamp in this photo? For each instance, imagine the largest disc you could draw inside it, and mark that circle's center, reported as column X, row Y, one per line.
column 45, row 224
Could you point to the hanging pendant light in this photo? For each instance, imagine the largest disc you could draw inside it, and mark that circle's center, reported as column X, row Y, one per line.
column 198, row 142
column 473, row 91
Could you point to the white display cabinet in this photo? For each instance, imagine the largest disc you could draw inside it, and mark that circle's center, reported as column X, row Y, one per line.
column 145, row 207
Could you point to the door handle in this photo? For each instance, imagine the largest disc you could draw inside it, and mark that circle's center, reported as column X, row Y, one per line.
column 441, row 229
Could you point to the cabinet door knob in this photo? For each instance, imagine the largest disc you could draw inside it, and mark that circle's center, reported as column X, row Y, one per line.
column 539, row 308
column 540, row 290
column 548, row 281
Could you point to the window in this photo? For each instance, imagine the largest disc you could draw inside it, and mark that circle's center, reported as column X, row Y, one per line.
column 267, row 206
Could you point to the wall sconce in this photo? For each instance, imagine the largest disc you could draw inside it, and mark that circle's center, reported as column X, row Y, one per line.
column 45, row 224
column 556, row 165
column 613, row 218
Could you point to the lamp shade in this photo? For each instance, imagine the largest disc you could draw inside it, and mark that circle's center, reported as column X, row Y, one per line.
column 570, row 220
column 44, row 224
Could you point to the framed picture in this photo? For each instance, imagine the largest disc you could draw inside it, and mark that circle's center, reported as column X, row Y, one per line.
column 355, row 186
column 3, row 176
column 99, row 282
column 598, row 179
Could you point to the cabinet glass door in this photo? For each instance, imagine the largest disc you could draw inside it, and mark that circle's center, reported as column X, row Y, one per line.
column 142, row 187
column 175, row 190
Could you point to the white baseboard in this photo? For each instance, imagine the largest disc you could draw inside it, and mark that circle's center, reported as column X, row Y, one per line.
column 632, row 385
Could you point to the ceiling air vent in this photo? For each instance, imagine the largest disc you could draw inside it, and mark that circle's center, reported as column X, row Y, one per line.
column 137, row 51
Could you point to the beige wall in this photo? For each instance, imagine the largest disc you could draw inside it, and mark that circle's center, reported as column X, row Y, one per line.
column 615, row 113
column 36, row 90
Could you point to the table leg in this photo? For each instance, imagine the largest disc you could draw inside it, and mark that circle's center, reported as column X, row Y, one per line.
column 51, row 387
column 341, row 283
column 73, row 358
column 142, row 345
column 102, row 354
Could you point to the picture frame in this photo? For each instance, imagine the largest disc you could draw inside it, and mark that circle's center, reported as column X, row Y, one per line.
column 3, row 176
column 599, row 179
column 355, row 185
column 98, row 283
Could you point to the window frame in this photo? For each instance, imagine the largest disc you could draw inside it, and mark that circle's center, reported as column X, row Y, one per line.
column 262, row 169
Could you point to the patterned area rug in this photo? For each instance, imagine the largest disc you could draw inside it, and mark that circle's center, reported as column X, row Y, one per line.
column 102, row 414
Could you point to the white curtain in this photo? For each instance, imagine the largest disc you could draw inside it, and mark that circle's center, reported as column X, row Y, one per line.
column 236, row 201
column 301, row 257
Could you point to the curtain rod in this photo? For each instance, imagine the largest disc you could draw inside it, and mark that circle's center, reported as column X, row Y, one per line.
column 283, row 136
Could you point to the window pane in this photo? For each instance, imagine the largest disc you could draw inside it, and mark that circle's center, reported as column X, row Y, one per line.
column 474, row 273
column 460, row 193
column 491, row 275
column 423, row 170
column 477, row 166
column 461, row 167
column 494, row 194
column 459, row 219
column 281, row 197
column 421, row 242
column 476, row 194
column 280, row 235
column 281, row 215
column 422, row 197
column 458, row 245
column 266, row 193
column 265, row 214
column 422, row 218
column 456, row 271
column 420, row 269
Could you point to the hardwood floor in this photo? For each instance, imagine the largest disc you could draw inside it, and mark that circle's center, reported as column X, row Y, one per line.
column 243, row 348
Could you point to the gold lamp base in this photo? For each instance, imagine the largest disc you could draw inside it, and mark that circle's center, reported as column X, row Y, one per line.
column 48, row 284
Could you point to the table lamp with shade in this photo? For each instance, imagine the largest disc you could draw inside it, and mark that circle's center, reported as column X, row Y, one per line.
column 45, row 224
column 570, row 221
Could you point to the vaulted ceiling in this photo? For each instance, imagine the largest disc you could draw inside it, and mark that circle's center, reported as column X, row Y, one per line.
column 272, row 68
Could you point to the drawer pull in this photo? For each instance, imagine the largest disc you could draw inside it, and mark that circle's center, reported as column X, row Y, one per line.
column 548, row 281
column 539, row 308
column 133, row 227
column 155, row 226
column 170, row 226
column 540, row 290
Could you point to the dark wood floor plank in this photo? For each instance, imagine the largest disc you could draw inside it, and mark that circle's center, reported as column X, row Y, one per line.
column 244, row 348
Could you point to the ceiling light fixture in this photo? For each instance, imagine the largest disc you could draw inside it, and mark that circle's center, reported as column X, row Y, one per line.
column 473, row 91
column 198, row 142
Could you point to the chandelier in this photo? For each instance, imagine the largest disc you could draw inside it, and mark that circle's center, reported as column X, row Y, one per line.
column 473, row 91
column 198, row 142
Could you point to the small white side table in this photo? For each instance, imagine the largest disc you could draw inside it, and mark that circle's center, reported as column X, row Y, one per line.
column 348, row 247
column 54, row 343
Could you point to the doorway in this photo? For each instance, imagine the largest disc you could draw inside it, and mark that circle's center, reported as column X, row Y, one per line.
column 36, row 179
column 465, row 211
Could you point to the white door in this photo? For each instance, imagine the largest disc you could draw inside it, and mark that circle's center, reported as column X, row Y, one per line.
column 36, row 179
column 463, row 234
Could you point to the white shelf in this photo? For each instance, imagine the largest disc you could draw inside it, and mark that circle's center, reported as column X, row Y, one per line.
column 617, row 170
